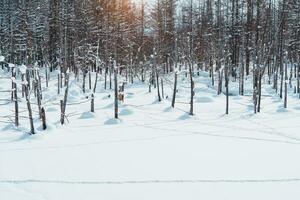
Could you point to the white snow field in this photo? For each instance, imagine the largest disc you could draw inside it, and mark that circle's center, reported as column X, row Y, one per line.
column 154, row 152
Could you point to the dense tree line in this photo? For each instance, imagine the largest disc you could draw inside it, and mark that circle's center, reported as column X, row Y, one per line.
column 232, row 39
column 68, row 33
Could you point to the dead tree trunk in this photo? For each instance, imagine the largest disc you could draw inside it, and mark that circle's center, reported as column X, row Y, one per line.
column 157, row 79
column 90, row 81
column 29, row 109
column 38, row 96
column 242, row 76
column 47, row 78
column 40, row 84
column 285, row 84
column 259, row 90
column 157, row 83
column 93, row 95
column 15, row 99
column 298, row 79
column 92, row 103
column 220, row 84
column 34, row 86
column 64, row 102
column 83, row 81
column 150, row 83
column 105, row 78
column 142, row 75
column 281, row 80
column 43, row 115
column 227, row 89
column 255, row 99
column 162, row 89
column 212, row 71
column 28, row 79
column 174, row 90
column 192, row 89
column 61, row 79
column 12, row 83
column 58, row 84
column 23, row 86
column 37, row 89
column 116, row 94
column 110, row 79
column 95, row 84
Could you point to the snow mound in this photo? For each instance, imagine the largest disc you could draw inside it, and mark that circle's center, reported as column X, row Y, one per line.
column 204, row 100
column 87, row 115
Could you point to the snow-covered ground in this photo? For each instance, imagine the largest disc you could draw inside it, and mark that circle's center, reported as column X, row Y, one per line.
column 153, row 151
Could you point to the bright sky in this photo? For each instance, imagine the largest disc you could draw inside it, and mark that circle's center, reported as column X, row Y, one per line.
column 145, row 1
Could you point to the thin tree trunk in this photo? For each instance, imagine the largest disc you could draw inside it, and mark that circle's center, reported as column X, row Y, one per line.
column 162, row 89
column 192, row 89
column 242, row 75
column 15, row 99
column 227, row 89
column 255, row 99
column 58, row 88
column 43, row 114
column 174, row 90
column 12, row 84
column 150, row 81
column 29, row 109
column 116, row 94
column 105, row 78
column 259, row 90
column 64, row 102
column 298, row 79
column 285, row 84
column 90, row 81
column 83, row 82
column 47, row 79
column 95, row 84
column 220, row 84
column 110, row 79
column 38, row 96
column 212, row 72
column 92, row 103
column 281, row 81
column 157, row 83
column 23, row 86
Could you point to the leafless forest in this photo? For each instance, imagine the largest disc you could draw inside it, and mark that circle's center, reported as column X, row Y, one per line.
column 143, row 41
